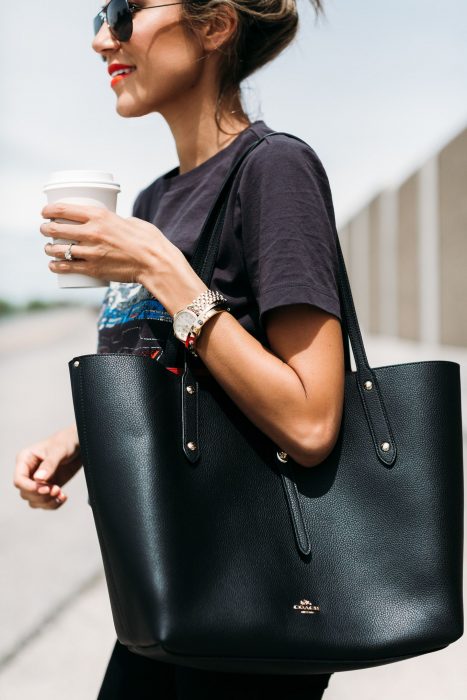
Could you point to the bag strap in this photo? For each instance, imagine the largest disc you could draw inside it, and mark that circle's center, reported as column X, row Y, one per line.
column 203, row 262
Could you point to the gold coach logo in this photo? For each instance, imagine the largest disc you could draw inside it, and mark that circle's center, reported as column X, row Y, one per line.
column 306, row 607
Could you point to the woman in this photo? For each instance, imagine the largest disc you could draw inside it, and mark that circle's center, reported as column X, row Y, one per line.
column 278, row 352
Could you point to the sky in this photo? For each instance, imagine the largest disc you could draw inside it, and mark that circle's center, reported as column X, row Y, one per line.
column 375, row 88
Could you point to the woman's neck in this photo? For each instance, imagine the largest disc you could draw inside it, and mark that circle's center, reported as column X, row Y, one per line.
column 202, row 139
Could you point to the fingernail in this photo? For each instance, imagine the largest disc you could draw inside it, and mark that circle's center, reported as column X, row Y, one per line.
column 40, row 474
column 43, row 490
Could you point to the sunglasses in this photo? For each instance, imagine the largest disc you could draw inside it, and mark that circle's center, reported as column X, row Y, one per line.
column 119, row 16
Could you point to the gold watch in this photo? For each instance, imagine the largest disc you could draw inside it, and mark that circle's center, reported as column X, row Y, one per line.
column 187, row 322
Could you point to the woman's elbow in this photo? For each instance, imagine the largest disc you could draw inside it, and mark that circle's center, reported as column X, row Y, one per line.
column 315, row 447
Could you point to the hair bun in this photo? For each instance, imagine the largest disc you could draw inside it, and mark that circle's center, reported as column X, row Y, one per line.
column 264, row 29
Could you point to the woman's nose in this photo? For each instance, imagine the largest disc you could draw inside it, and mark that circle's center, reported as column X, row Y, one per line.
column 104, row 41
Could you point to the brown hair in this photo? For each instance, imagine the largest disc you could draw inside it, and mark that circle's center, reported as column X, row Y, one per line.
column 264, row 29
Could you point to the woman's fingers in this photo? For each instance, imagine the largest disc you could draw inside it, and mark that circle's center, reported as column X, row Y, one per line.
column 47, row 501
column 42, row 469
column 53, row 457
column 58, row 250
column 34, row 490
column 51, row 504
column 48, row 490
column 35, row 497
column 26, row 463
column 87, row 222
column 71, row 212
column 79, row 251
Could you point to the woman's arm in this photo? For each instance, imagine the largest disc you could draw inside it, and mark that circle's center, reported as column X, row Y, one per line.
column 294, row 394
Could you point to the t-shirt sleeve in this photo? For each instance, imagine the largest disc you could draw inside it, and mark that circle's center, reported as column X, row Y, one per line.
column 288, row 227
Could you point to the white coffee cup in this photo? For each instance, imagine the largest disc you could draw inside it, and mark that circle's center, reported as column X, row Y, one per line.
column 91, row 187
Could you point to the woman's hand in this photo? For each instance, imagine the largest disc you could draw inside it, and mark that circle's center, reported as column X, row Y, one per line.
column 42, row 468
column 121, row 250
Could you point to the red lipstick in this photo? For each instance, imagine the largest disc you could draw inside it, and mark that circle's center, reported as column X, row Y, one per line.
column 119, row 71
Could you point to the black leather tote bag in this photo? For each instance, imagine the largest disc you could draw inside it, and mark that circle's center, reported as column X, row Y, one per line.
column 231, row 556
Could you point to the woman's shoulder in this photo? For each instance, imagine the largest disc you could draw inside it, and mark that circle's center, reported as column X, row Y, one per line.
column 283, row 159
column 279, row 155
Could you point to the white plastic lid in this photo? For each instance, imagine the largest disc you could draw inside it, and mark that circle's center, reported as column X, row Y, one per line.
column 95, row 177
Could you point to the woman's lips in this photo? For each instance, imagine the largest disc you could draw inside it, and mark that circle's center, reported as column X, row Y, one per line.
column 118, row 71
column 117, row 78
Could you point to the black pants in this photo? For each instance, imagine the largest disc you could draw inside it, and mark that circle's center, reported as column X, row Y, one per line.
column 133, row 677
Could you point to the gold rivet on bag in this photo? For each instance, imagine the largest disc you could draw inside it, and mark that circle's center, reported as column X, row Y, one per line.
column 76, row 363
column 368, row 385
column 385, row 446
column 191, row 445
column 190, row 389
column 282, row 456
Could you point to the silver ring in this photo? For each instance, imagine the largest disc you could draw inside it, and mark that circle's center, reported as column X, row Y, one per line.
column 68, row 255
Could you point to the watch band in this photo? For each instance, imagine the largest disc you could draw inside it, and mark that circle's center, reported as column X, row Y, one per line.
column 205, row 300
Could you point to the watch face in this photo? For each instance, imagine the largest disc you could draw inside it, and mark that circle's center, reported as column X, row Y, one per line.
column 182, row 324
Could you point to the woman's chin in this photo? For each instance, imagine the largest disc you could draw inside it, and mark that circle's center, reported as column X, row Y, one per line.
column 127, row 107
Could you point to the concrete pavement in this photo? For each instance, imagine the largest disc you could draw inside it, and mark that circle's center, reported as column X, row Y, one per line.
column 48, row 558
column 56, row 630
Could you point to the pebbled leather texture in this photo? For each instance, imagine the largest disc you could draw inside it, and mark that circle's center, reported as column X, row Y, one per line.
column 201, row 562
column 224, row 558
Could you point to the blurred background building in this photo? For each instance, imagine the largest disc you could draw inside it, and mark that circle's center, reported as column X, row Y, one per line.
column 406, row 252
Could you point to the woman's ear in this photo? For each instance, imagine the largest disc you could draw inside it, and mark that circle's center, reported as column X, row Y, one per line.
column 218, row 31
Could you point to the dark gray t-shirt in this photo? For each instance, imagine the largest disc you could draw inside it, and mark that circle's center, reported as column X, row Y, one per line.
column 277, row 246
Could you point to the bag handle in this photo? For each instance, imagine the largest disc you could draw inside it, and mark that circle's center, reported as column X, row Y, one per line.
column 203, row 262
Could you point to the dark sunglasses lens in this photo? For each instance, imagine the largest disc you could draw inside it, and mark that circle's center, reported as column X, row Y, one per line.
column 119, row 19
column 97, row 23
